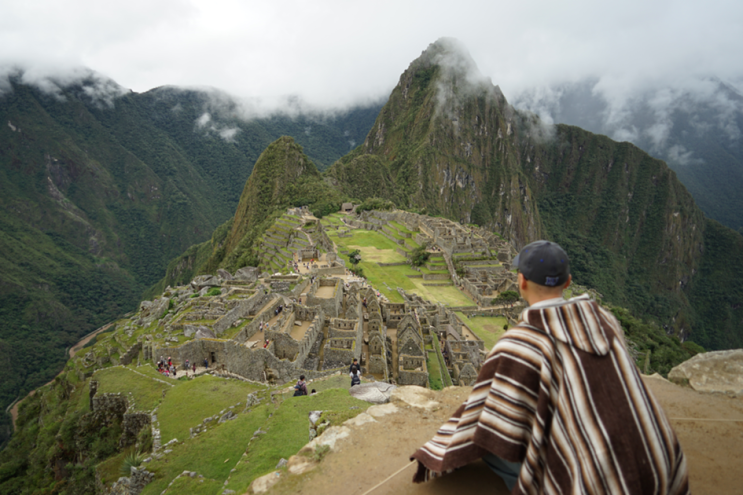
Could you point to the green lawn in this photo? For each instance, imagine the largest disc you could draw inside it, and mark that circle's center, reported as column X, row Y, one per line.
column 287, row 432
column 190, row 402
column 375, row 248
column 145, row 392
column 212, row 454
column 435, row 379
column 371, row 253
column 488, row 328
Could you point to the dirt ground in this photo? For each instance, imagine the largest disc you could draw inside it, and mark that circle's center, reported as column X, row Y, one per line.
column 710, row 429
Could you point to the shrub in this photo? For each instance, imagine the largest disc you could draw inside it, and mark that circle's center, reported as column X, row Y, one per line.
column 133, row 459
column 419, row 256
column 354, row 257
column 375, row 204
column 214, row 291
column 506, row 297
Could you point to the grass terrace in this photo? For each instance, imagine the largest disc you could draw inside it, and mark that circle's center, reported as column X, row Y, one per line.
column 488, row 328
column 376, row 248
column 146, row 392
column 186, row 405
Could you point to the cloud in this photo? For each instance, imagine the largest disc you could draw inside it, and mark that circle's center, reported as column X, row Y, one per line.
column 206, row 124
column 332, row 54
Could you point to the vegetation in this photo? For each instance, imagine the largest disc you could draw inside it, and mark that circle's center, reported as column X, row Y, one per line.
column 506, row 297
column 419, row 256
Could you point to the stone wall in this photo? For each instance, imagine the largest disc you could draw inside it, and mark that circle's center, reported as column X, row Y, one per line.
column 330, row 306
column 406, row 377
column 129, row 355
column 131, row 425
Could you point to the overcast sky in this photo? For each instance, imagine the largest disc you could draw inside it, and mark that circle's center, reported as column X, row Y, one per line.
column 333, row 53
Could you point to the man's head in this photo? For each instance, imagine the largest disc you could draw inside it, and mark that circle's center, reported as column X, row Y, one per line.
column 544, row 271
column 301, row 377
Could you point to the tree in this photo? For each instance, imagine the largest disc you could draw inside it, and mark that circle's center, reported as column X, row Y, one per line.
column 354, row 257
column 419, row 256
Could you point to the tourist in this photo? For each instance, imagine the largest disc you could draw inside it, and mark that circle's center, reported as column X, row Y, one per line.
column 194, row 367
column 313, row 392
column 559, row 404
column 265, row 344
column 355, row 379
column 187, row 365
column 206, row 363
column 301, row 387
column 354, row 366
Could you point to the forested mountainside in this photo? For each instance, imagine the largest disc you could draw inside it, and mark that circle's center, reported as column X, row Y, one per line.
column 100, row 188
column 695, row 128
column 448, row 143
column 451, row 144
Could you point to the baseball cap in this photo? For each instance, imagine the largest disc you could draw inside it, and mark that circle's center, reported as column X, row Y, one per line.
column 544, row 263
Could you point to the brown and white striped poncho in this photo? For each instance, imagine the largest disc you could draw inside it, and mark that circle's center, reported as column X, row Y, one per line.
column 560, row 394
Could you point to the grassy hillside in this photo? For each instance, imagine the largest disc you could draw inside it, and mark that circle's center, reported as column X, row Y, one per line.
column 100, row 189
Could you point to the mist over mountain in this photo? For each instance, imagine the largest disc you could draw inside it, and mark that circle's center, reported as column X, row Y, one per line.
column 695, row 126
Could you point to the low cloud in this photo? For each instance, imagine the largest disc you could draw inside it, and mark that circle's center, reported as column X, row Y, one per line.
column 207, row 125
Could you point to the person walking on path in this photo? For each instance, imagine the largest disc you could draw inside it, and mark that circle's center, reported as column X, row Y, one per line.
column 559, row 405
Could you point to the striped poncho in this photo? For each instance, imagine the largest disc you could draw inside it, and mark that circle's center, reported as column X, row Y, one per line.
column 560, row 394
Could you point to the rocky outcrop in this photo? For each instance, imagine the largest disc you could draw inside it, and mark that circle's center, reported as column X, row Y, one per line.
column 712, row 372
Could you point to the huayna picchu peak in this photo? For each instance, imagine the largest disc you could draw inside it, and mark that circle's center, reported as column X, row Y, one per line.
column 272, row 249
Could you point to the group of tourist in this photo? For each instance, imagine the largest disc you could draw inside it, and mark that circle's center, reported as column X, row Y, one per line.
column 166, row 368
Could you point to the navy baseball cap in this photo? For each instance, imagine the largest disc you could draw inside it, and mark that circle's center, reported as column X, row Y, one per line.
column 544, row 263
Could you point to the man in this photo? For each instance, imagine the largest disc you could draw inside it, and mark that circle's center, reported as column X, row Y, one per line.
column 559, row 406
column 354, row 366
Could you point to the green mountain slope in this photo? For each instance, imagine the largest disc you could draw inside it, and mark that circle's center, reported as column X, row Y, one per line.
column 101, row 188
column 451, row 144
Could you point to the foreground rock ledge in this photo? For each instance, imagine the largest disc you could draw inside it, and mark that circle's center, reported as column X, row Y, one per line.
column 712, row 372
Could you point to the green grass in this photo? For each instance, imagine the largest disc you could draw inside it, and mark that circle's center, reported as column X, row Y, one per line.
column 287, row 432
column 445, row 376
column 213, row 453
column 488, row 328
column 188, row 404
column 146, row 393
column 195, row 486
column 371, row 253
column 400, row 227
column 232, row 331
column 434, row 370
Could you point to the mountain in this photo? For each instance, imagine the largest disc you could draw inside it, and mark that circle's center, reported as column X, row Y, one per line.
column 694, row 127
column 101, row 187
column 452, row 145
column 448, row 143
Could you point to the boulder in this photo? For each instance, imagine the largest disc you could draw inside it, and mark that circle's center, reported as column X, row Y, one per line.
column 299, row 464
column 203, row 281
column 375, row 392
column 718, row 371
column 204, row 333
column 359, row 420
column 227, row 416
column 190, row 330
column 415, row 396
column 264, row 483
column 224, row 275
column 247, row 274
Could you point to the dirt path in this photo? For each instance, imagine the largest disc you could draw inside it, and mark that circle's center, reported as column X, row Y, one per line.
column 74, row 349
column 713, row 449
